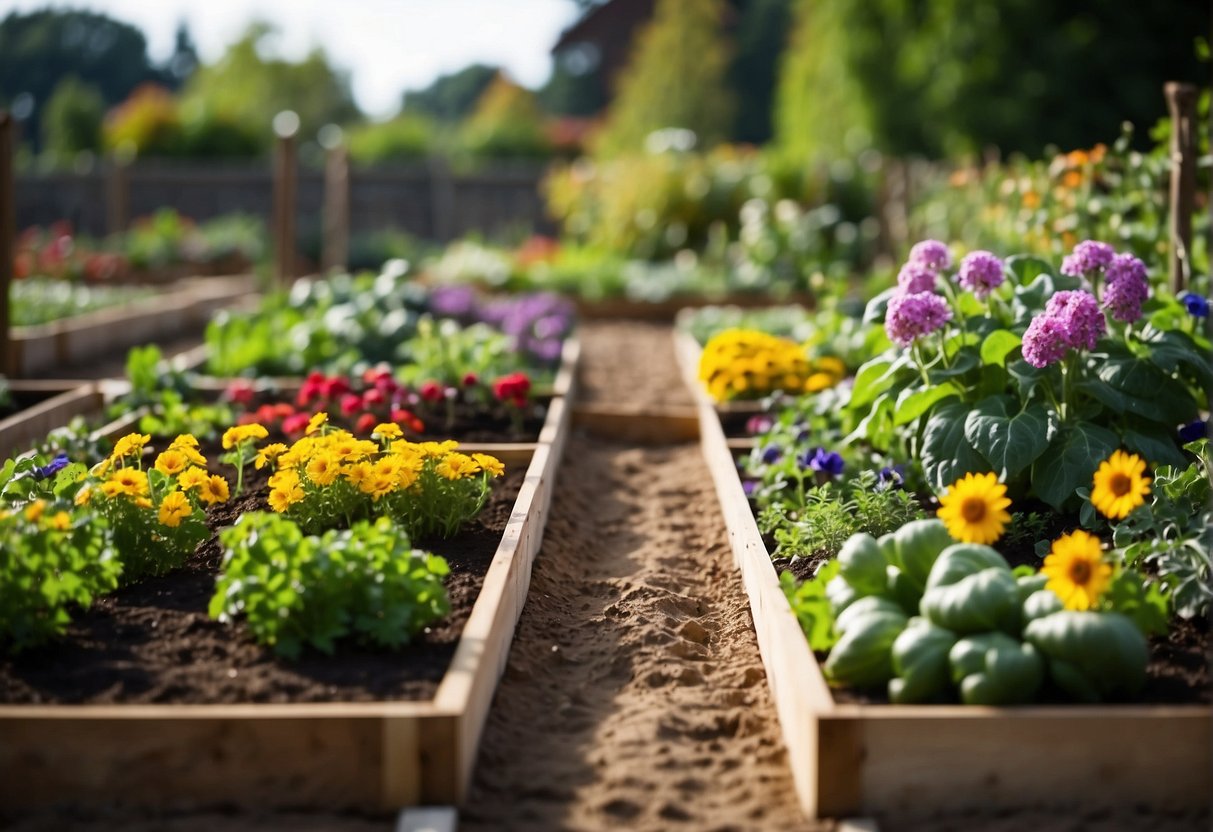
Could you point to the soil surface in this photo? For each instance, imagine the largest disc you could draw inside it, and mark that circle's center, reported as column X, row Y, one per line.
column 630, row 363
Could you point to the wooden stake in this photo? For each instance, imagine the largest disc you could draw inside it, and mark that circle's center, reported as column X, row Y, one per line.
column 336, row 207
column 286, row 128
column 1181, row 102
column 8, row 231
column 117, row 196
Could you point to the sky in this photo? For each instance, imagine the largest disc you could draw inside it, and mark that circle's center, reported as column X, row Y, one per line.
column 388, row 46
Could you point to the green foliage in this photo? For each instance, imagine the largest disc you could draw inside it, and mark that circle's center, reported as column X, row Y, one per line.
column 39, row 300
column 452, row 97
column 676, row 77
column 971, row 590
column 995, row 669
column 296, row 590
column 407, row 137
column 920, row 662
column 1091, row 656
column 71, row 121
column 812, row 607
column 506, row 124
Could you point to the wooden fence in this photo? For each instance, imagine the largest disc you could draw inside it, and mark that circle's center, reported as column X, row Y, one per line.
column 427, row 200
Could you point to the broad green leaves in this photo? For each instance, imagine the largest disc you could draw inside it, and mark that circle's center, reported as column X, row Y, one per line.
column 947, row 454
column 1009, row 442
column 1071, row 462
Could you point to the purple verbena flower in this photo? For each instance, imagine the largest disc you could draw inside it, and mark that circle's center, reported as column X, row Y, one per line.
column 1126, row 288
column 825, row 462
column 1088, row 257
column 1198, row 306
column 56, row 465
column 910, row 317
column 1082, row 323
column 931, row 254
column 1044, row 342
column 915, row 277
column 981, row 273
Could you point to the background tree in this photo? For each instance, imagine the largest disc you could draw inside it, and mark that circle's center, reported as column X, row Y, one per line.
column 675, row 78
column 40, row 49
column 71, row 119
column 761, row 35
column 507, row 124
column 451, row 97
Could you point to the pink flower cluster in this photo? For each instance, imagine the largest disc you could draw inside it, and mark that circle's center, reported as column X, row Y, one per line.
column 931, row 254
column 1126, row 287
column 1088, row 257
column 911, row 316
column 1071, row 320
column 915, row 277
column 981, row 273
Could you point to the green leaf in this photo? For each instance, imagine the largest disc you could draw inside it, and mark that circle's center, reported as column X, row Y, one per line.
column 946, row 453
column 1070, row 462
column 912, row 403
column 875, row 377
column 1156, row 446
column 1146, row 390
column 1009, row 443
column 998, row 345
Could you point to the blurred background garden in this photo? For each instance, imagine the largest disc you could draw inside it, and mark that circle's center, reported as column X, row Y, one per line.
column 606, row 148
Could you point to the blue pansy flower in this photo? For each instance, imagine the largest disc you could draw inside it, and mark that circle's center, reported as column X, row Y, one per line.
column 772, row 454
column 1198, row 305
column 891, row 476
column 1193, row 431
column 56, row 465
column 826, row 462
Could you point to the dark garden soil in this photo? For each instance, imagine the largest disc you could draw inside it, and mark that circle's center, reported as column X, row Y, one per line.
column 153, row 642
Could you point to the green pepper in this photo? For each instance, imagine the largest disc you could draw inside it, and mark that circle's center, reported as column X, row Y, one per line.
column 971, row 590
column 1091, row 655
column 861, row 657
column 840, row 594
column 916, row 546
column 1041, row 603
column 995, row 669
column 862, row 564
column 920, row 660
column 902, row 589
column 861, row 607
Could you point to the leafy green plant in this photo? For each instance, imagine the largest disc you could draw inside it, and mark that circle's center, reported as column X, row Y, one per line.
column 296, row 590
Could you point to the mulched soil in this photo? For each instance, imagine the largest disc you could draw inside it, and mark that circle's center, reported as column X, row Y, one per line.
column 153, row 642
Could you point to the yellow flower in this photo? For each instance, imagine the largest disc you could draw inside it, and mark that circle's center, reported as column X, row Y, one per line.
column 233, row 436
column 143, row 502
column 323, row 469
column 129, row 481
column 281, row 499
column 171, row 463
column 349, row 449
column 35, row 510
column 83, row 496
column 187, row 445
column 975, row 508
column 132, row 443
column 387, row 430
column 437, row 450
column 490, row 464
column 285, row 479
column 377, row 486
column 832, row 365
column 214, row 490
column 268, row 454
column 818, row 382
column 316, row 422
column 60, row 522
column 1120, row 485
column 456, row 467
column 1076, row 570
column 357, row 473
column 110, row 489
column 191, row 478
column 173, row 509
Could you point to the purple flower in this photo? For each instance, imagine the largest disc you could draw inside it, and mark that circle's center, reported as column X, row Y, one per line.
column 1082, row 324
column 825, row 462
column 891, row 476
column 453, row 301
column 1198, row 306
column 915, row 277
column 758, row 424
column 772, row 454
column 802, row 433
column 749, row 487
column 912, row 316
column 53, row 467
column 1126, row 289
column 981, row 273
column 1088, row 257
column 1044, row 343
column 1193, row 431
column 931, row 254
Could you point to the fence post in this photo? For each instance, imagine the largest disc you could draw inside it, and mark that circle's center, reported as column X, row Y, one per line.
column 442, row 200
column 336, row 244
column 286, row 183
column 1181, row 102
column 117, row 195
column 8, row 230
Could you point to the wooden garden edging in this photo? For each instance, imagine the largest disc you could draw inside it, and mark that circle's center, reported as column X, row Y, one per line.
column 668, row 309
column 38, row 350
column 865, row 759
column 368, row 756
column 60, row 402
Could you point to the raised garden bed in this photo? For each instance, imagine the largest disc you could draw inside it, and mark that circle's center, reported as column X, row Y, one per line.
column 368, row 755
column 668, row 309
column 39, row 350
column 42, row 406
column 850, row 759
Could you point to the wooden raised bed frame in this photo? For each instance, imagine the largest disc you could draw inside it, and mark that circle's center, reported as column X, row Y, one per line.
column 64, row 400
column 368, row 756
column 864, row 759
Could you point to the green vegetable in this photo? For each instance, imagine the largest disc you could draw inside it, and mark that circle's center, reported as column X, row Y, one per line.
column 916, row 547
column 840, row 594
column 920, row 660
column 808, row 600
column 1091, row 655
column 863, row 564
column 864, row 606
column 902, row 589
column 1041, row 603
column 971, row 590
column 995, row 669
column 862, row 657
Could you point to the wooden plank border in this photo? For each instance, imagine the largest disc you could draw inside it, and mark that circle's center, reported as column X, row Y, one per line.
column 865, row 759
column 21, row 429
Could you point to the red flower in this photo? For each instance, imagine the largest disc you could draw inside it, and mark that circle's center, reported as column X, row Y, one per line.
column 296, row 423
column 333, row 387
column 373, row 397
column 403, row 417
column 513, row 388
column 350, row 404
column 366, row 423
column 240, row 392
column 431, row 391
column 470, row 379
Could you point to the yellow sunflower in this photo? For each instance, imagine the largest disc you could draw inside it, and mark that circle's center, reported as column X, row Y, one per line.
column 387, row 430
column 1076, row 570
column 1120, row 485
column 173, row 509
column 975, row 509
column 187, row 445
column 34, row 511
column 60, row 522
